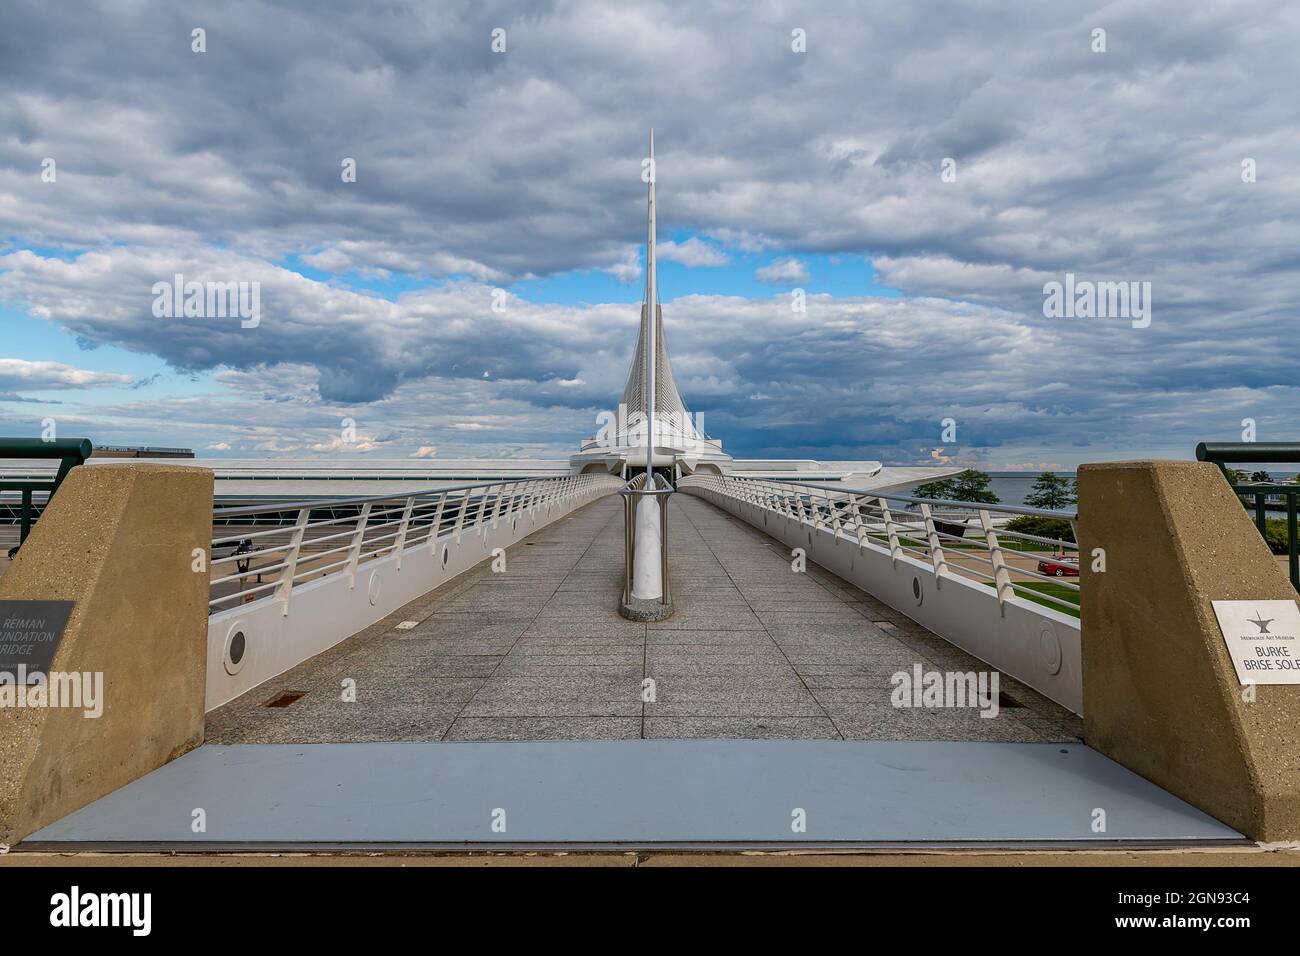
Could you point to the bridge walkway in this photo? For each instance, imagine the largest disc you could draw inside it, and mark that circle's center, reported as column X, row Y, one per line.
column 537, row 651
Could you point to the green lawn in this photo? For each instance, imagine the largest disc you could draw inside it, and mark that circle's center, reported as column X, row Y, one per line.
column 1051, row 588
column 1057, row 591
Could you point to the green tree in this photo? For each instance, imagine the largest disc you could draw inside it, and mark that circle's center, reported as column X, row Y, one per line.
column 1260, row 475
column 1052, row 492
column 970, row 485
column 941, row 489
column 1057, row 528
column 1236, row 476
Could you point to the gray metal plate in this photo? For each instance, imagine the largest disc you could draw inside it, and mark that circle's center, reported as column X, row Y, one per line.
column 637, row 792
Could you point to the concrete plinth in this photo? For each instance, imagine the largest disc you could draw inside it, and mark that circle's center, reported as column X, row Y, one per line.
column 646, row 609
column 120, row 541
column 1161, row 695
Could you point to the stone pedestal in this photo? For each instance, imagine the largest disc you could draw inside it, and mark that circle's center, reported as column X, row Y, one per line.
column 119, row 541
column 1160, row 693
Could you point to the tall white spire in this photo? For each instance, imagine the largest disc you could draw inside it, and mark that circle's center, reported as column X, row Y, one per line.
column 650, row 397
column 650, row 392
column 651, row 339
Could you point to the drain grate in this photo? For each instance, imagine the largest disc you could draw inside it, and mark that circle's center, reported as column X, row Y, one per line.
column 286, row 698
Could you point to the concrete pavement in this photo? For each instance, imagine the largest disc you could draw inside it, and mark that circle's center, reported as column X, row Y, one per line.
column 537, row 651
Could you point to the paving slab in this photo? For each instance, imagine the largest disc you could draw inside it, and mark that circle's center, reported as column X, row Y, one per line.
column 754, row 649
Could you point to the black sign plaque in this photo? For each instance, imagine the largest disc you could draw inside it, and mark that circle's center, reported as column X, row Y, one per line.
column 29, row 634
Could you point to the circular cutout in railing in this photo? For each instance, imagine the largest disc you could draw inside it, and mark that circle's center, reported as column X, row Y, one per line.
column 372, row 589
column 917, row 591
column 235, row 653
column 445, row 555
column 1049, row 646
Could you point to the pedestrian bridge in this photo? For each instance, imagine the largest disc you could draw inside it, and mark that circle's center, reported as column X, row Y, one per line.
column 511, row 705
column 536, row 650
column 836, row 665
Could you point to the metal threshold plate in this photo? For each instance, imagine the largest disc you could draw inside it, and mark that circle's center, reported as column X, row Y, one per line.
column 638, row 793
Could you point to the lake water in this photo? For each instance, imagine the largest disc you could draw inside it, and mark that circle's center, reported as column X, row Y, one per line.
column 1010, row 486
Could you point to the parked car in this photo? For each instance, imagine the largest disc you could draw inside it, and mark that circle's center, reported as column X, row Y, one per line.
column 1059, row 565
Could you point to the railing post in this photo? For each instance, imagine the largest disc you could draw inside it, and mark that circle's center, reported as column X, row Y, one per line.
column 26, row 528
column 859, row 527
column 1001, row 575
column 460, row 516
column 354, row 552
column 436, row 527
column 1292, row 554
column 936, row 546
column 891, row 532
column 400, row 545
column 501, row 504
column 284, row 588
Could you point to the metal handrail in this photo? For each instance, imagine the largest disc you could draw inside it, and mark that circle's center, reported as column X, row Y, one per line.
column 1221, row 453
column 631, row 491
column 945, row 502
column 866, row 517
column 71, row 452
column 239, row 511
column 291, row 554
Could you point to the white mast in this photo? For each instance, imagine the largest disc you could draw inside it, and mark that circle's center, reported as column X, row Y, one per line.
column 651, row 343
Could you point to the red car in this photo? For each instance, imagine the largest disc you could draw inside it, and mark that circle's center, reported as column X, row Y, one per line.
column 1059, row 565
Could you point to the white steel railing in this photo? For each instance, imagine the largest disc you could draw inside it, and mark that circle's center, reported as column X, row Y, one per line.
column 289, row 580
column 263, row 552
column 1013, row 563
column 993, row 593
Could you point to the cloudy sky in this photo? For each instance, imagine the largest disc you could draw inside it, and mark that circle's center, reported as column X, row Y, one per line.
column 126, row 158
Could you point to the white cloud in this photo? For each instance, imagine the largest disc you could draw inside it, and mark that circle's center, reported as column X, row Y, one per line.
column 628, row 268
column 23, row 374
column 783, row 270
column 693, row 252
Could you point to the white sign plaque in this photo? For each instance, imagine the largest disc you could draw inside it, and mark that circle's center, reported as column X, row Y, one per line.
column 1263, row 639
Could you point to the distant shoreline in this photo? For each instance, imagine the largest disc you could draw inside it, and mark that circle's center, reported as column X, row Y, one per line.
column 1012, row 486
